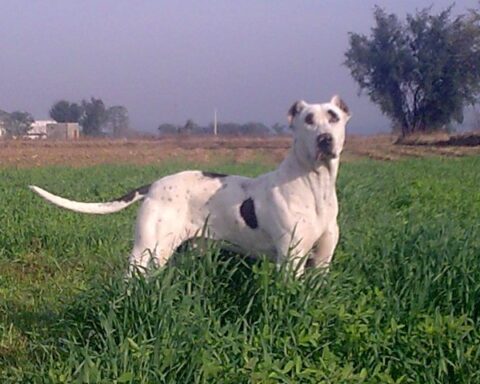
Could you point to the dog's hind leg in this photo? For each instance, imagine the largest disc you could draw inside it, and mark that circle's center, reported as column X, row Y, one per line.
column 157, row 235
column 145, row 246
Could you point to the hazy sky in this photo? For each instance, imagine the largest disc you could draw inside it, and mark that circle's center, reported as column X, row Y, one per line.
column 168, row 61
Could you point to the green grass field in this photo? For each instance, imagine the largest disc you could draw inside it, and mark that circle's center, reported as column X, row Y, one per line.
column 401, row 303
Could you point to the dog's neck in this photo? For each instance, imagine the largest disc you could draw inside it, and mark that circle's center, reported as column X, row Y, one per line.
column 320, row 179
column 328, row 168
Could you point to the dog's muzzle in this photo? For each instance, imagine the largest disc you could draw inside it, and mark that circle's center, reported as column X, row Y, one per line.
column 325, row 147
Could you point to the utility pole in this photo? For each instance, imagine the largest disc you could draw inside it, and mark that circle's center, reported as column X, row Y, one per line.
column 215, row 122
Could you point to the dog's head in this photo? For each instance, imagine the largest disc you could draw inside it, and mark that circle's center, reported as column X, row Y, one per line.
column 319, row 130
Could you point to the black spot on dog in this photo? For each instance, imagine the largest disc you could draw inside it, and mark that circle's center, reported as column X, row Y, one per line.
column 247, row 211
column 131, row 195
column 332, row 117
column 213, row 175
column 309, row 119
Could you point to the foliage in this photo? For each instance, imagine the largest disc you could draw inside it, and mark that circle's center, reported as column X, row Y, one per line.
column 94, row 116
column 422, row 72
column 65, row 112
column 250, row 128
column 167, row 129
column 17, row 123
column 189, row 127
column 235, row 129
column 399, row 305
column 280, row 129
column 117, row 121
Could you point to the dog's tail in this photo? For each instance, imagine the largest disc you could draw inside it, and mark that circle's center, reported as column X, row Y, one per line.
column 94, row 208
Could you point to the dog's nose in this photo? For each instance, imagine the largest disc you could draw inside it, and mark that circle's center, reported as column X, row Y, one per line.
column 325, row 141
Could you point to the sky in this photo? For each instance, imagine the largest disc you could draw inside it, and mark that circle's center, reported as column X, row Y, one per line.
column 169, row 61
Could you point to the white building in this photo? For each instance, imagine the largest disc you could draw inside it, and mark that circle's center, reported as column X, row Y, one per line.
column 63, row 131
column 38, row 129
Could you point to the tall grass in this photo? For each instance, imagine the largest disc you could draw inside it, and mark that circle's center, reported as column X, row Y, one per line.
column 401, row 303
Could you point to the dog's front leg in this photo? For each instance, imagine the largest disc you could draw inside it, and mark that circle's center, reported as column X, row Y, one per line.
column 324, row 248
column 293, row 253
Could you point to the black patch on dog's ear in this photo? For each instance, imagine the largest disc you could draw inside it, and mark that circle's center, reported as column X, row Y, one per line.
column 213, row 175
column 131, row 195
column 295, row 109
column 309, row 119
column 332, row 116
column 247, row 211
column 344, row 107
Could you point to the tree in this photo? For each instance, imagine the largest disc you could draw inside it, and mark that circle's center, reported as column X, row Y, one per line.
column 94, row 116
column 65, row 112
column 189, row 127
column 423, row 72
column 167, row 129
column 117, row 120
column 280, row 129
column 255, row 129
column 476, row 120
column 251, row 128
column 18, row 123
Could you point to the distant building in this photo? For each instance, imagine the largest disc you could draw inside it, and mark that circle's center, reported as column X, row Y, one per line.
column 38, row 129
column 63, row 131
column 50, row 129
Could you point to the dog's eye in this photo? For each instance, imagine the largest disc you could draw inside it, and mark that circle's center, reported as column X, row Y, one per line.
column 332, row 117
column 309, row 119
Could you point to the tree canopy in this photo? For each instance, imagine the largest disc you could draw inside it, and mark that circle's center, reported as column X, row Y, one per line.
column 422, row 72
column 234, row 129
column 65, row 112
column 93, row 115
column 16, row 123
column 117, row 120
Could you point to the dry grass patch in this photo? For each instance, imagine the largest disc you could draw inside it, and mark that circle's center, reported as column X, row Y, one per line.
column 205, row 150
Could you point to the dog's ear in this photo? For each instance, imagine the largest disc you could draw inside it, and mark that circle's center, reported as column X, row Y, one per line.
column 338, row 102
column 294, row 110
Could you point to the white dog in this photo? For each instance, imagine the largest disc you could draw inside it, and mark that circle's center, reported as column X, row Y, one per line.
column 283, row 214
